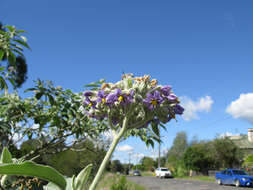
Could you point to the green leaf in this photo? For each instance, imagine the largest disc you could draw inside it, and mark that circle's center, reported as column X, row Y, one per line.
column 10, row 28
column 38, row 95
column 12, row 58
column 1, row 55
column 6, row 156
column 51, row 99
column 155, row 128
column 91, row 85
column 29, row 168
column 163, row 126
column 2, row 69
column 51, row 186
column 18, row 52
column 21, row 31
column 12, row 81
column 150, row 142
column 100, row 82
column 22, row 43
column 3, row 84
column 82, row 178
column 30, row 89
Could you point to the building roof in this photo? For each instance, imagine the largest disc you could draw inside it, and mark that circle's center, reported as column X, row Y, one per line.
column 243, row 142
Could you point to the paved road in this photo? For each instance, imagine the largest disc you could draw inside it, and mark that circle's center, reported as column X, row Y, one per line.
column 153, row 183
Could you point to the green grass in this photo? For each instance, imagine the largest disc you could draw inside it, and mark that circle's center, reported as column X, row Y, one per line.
column 147, row 173
column 108, row 179
column 199, row 178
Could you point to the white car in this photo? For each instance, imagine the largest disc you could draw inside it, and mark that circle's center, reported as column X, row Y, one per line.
column 163, row 172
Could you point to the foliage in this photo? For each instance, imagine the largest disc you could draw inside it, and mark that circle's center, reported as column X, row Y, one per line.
column 248, row 162
column 72, row 160
column 110, row 179
column 29, row 168
column 179, row 146
column 195, row 158
column 226, row 153
column 174, row 156
column 12, row 44
column 148, row 163
column 52, row 116
column 216, row 154
column 116, row 166
column 121, row 184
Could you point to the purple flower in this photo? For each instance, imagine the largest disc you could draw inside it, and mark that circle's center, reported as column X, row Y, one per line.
column 111, row 98
column 172, row 97
column 90, row 103
column 178, row 109
column 101, row 96
column 153, row 100
column 118, row 96
column 165, row 90
column 88, row 93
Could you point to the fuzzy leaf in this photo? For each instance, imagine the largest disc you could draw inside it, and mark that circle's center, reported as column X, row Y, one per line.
column 29, row 168
column 82, row 178
column 6, row 156
column 1, row 55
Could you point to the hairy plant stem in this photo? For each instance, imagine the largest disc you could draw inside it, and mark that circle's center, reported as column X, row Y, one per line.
column 108, row 155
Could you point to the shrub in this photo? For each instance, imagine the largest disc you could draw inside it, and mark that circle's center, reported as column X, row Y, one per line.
column 121, row 184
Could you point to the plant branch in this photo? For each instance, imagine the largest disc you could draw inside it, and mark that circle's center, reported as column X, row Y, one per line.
column 108, row 155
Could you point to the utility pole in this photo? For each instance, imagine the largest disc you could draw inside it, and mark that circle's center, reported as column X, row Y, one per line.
column 137, row 156
column 129, row 161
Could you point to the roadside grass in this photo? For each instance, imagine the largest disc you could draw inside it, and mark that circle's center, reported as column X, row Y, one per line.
column 147, row 173
column 109, row 179
column 198, row 178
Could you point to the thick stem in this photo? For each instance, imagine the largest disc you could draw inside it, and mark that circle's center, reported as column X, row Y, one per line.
column 109, row 154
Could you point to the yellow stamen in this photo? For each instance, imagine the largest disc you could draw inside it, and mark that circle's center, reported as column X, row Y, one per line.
column 120, row 98
column 90, row 104
column 103, row 100
column 154, row 102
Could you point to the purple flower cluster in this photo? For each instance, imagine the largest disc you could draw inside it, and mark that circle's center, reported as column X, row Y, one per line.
column 122, row 98
column 153, row 100
column 93, row 100
column 112, row 101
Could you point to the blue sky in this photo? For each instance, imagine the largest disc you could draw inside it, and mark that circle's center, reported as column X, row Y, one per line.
column 202, row 48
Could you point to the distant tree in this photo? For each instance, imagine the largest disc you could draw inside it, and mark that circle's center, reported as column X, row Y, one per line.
column 116, row 166
column 196, row 158
column 248, row 162
column 148, row 163
column 226, row 153
column 162, row 161
column 179, row 146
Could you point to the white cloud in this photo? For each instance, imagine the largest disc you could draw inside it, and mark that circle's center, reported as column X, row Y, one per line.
column 191, row 107
column 138, row 156
column 242, row 108
column 125, row 148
